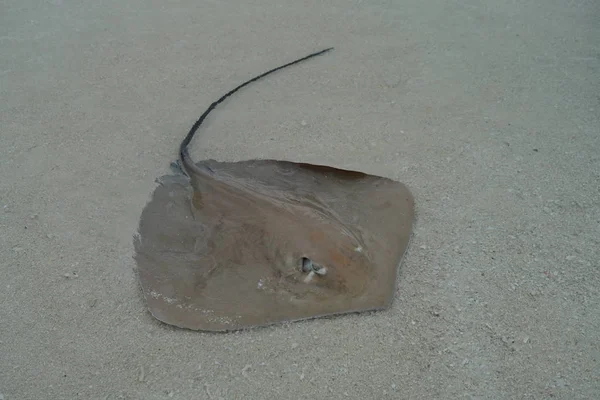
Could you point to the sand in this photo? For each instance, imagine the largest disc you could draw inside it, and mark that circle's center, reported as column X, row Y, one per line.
column 489, row 111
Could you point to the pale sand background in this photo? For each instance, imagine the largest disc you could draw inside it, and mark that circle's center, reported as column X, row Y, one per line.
column 488, row 110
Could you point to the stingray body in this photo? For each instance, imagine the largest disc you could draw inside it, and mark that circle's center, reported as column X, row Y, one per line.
column 232, row 245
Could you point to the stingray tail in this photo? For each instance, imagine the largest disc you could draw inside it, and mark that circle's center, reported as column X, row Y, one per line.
column 184, row 155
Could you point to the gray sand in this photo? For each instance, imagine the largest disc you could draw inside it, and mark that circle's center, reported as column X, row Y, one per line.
column 489, row 111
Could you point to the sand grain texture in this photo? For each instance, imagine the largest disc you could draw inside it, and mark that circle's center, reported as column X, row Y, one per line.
column 488, row 111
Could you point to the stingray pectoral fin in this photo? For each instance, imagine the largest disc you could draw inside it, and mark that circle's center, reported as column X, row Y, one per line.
column 258, row 235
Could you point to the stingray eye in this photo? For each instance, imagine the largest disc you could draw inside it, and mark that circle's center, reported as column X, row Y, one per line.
column 307, row 264
column 311, row 269
column 319, row 269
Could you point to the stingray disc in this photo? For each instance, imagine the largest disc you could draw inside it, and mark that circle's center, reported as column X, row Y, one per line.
column 260, row 242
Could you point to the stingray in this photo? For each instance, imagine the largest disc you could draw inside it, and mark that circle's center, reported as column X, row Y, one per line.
column 223, row 246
